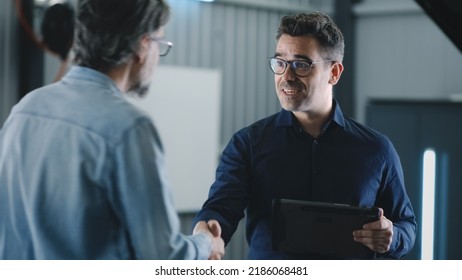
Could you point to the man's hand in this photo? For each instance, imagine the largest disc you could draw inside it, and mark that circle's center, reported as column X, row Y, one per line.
column 377, row 235
column 213, row 229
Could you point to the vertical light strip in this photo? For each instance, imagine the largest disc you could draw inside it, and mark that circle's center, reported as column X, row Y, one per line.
column 428, row 203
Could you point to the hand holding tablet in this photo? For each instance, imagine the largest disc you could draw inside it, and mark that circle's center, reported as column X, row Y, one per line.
column 303, row 227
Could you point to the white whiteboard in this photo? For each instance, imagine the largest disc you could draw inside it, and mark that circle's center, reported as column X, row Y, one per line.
column 184, row 104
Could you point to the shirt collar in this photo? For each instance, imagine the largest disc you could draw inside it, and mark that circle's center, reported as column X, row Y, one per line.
column 338, row 114
column 88, row 74
column 286, row 118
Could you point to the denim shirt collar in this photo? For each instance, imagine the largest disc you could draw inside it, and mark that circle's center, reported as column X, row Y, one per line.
column 84, row 73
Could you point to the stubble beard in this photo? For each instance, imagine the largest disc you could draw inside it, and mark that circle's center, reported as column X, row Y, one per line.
column 294, row 103
column 139, row 90
column 140, row 86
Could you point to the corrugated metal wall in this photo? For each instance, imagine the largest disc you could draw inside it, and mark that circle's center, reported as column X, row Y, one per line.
column 8, row 63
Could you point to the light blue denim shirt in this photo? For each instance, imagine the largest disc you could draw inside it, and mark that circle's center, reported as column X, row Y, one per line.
column 82, row 177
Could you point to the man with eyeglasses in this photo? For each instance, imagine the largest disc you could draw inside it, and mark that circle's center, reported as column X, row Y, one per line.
column 82, row 171
column 310, row 151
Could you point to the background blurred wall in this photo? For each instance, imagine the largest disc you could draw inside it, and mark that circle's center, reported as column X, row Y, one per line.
column 9, row 73
column 402, row 54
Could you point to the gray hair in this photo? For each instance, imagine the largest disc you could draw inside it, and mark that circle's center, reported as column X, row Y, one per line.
column 319, row 26
column 108, row 32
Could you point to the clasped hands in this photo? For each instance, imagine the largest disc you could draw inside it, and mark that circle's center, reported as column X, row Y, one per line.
column 213, row 229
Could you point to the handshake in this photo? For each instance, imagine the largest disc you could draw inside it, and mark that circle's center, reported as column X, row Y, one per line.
column 213, row 229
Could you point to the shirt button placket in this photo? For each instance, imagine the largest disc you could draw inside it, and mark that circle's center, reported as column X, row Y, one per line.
column 315, row 171
column 314, row 150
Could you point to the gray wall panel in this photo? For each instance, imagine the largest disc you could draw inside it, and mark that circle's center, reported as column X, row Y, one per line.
column 9, row 77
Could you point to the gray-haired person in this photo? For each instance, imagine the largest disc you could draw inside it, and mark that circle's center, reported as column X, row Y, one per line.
column 81, row 169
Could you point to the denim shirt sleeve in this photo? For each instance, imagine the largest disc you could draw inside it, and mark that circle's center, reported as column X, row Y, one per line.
column 143, row 202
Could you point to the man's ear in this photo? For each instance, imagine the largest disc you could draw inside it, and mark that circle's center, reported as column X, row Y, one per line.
column 336, row 72
column 143, row 51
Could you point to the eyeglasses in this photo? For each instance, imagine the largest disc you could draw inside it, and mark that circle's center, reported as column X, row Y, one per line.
column 164, row 46
column 300, row 68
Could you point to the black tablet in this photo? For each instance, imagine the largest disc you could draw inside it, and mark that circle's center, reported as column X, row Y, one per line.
column 302, row 227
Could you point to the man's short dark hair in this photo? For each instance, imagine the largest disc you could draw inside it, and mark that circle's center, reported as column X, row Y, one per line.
column 318, row 25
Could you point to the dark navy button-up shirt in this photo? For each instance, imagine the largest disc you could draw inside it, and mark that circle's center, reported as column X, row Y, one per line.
column 348, row 163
